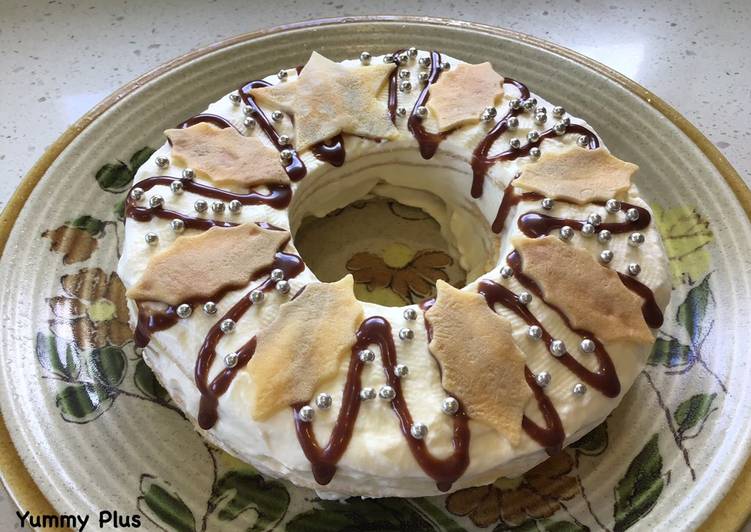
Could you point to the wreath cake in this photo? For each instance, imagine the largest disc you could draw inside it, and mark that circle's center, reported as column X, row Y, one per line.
column 567, row 277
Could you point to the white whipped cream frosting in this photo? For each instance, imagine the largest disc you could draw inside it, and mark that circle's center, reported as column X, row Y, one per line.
column 378, row 462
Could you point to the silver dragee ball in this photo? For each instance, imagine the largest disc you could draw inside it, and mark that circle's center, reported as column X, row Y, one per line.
column 387, row 393
column 558, row 348
column 324, row 401
column 366, row 355
column 367, row 394
column 450, row 406
column 306, row 413
column 418, row 430
column 566, row 232
column 587, row 345
column 543, row 379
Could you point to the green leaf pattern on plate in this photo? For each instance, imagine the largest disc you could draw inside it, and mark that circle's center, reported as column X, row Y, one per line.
column 58, row 357
column 694, row 411
column 147, row 383
column 117, row 177
column 164, row 507
column 84, row 402
column 237, row 492
column 361, row 514
column 594, row 443
column 107, row 365
column 637, row 492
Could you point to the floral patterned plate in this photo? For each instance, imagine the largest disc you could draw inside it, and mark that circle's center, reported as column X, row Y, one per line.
column 93, row 430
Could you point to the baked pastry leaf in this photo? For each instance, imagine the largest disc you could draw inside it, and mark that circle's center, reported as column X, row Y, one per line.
column 591, row 295
column 225, row 157
column 480, row 363
column 577, row 174
column 304, row 346
column 462, row 94
column 329, row 98
column 198, row 267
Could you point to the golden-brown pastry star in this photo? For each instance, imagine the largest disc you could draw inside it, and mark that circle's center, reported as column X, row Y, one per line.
column 462, row 94
column 329, row 98
column 590, row 295
column 577, row 174
column 225, row 157
column 303, row 346
column 480, row 363
column 197, row 267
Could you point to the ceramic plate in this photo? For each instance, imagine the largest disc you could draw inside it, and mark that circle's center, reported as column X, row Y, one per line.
column 95, row 431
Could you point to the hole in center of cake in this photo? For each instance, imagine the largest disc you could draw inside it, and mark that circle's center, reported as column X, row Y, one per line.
column 396, row 253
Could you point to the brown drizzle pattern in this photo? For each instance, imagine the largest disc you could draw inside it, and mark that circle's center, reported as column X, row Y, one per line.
column 295, row 168
column 427, row 141
column 291, row 265
column 215, row 120
column 377, row 330
column 331, row 151
column 278, row 197
column 482, row 161
column 535, row 224
column 510, row 199
column 649, row 308
column 393, row 94
column 144, row 214
column 552, row 435
column 150, row 321
column 605, row 378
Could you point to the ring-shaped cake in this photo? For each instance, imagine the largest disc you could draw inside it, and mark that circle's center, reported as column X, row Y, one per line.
column 567, row 276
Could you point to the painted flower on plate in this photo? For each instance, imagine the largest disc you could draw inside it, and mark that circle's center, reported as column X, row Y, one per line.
column 91, row 310
column 400, row 270
column 535, row 495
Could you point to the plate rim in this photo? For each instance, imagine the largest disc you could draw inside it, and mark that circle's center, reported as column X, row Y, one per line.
column 731, row 512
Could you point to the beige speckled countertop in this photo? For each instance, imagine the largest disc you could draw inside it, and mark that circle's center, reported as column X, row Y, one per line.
column 59, row 58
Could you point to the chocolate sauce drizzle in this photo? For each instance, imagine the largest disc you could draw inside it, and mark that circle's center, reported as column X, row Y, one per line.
column 145, row 214
column 150, row 321
column 331, row 151
column 535, row 224
column 427, row 141
column 291, row 265
column 510, row 199
column 649, row 308
column 295, row 168
column 376, row 330
column 278, row 197
column 482, row 161
column 393, row 93
column 552, row 435
column 215, row 120
column 605, row 378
